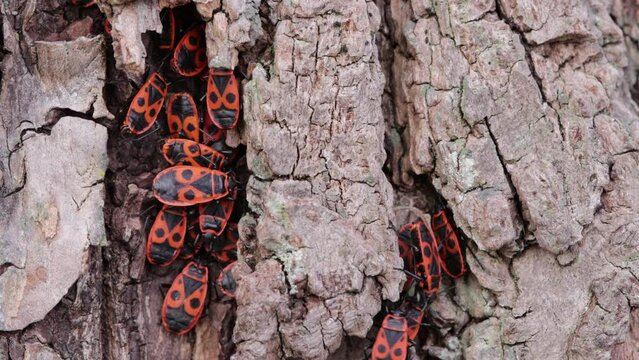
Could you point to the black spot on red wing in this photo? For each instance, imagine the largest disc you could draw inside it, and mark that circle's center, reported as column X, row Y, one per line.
column 195, row 303
column 189, row 195
column 381, row 348
column 187, row 174
column 159, row 233
column 175, row 295
column 140, row 101
column 152, row 112
column 193, row 148
column 176, row 237
column 213, row 97
column 230, row 97
column 221, row 81
column 192, row 40
column 190, row 127
column 175, row 126
column 427, row 252
column 398, row 352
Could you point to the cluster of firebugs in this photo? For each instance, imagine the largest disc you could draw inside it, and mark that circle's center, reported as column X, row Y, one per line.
column 197, row 190
column 198, row 194
column 427, row 251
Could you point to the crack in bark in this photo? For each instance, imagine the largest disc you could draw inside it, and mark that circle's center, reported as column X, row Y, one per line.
column 5, row 266
column 527, row 48
column 513, row 189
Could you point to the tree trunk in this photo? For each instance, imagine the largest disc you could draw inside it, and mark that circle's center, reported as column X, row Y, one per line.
column 520, row 116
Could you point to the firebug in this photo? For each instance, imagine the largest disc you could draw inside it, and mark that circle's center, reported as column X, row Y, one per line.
column 184, row 302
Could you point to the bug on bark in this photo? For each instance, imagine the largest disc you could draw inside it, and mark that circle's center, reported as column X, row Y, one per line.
column 392, row 339
column 184, row 302
column 146, row 105
column 189, row 56
column 182, row 117
column 166, row 236
column 223, row 98
column 191, row 185
column 449, row 249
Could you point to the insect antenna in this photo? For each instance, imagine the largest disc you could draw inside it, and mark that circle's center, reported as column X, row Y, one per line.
column 156, row 128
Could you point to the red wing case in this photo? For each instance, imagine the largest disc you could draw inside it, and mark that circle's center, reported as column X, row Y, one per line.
column 427, row 263
column 189, row 185
column 182, row 117
column 223, row 98
column 166, row 237
column 392, row 339
column 189, row 56
column 146, row 105
column 450, row 253
column 184, row 302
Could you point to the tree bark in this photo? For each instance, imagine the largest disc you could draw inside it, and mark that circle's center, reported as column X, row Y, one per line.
column 520, row 116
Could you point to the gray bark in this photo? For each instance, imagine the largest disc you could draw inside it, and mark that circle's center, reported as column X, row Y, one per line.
column 520, row 115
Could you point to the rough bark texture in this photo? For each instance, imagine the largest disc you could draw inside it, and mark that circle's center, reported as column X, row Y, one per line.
column 314, row 131
column 520, row 115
